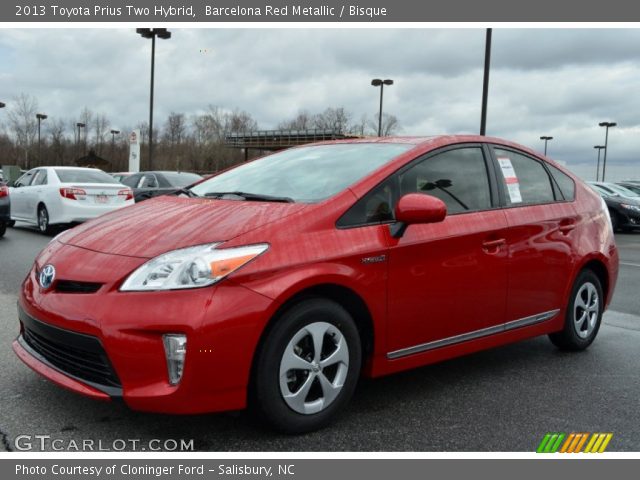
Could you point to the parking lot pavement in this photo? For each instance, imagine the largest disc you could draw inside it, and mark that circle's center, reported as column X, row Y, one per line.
column 503, row 399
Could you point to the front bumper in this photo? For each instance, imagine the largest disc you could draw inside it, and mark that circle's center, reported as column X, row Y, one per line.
column 223, row 325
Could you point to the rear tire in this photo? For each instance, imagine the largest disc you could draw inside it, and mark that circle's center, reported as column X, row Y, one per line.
column 43, row 220
column 11, row 223
column 584, row 314
column 3, row 228
column 297, row 386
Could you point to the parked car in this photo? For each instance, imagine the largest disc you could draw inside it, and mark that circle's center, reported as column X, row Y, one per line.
column 5, row 208
column 280, row 282
column 47, row 196
column 624, row 211
column 120, row 176
column 633, row 186
column 146, row 185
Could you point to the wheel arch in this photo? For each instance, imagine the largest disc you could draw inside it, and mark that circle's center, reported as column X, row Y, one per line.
column 344, row 296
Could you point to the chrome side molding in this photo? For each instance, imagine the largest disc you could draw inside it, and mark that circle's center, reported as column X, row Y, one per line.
column 464, row 337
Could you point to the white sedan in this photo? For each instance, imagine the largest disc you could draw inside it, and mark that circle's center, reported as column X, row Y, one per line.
column 46, row 196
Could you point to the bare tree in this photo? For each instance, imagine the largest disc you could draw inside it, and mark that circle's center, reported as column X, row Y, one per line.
column 58, row 140
column 22, row 118
column 336, row 119
column 100, row 129
column 302, row 121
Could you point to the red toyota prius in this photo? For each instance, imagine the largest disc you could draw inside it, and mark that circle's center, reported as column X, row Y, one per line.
column 280, row 282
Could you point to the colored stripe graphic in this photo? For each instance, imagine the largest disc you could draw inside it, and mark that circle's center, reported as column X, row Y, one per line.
column 572, row 443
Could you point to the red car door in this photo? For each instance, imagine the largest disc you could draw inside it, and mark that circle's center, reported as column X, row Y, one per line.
column 540, row 237
column 450, row 278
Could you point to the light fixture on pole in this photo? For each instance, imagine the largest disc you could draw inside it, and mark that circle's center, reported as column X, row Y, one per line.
column 546, row 139
column 152, row 33
column 607, row 125
column 377, row 82
column 599, row 147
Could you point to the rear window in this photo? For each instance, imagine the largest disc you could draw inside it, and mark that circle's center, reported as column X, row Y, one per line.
column 83, row 176
column 181, row 179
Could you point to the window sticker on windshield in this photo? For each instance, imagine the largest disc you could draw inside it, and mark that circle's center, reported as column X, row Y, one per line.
column 511, row 179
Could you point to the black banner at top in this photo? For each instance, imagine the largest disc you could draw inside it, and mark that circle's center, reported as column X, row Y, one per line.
column 318, row 11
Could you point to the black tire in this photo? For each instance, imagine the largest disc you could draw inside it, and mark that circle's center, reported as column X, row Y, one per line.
column 569, row 337
column 266, row 394
column 3, row 228
column 43, row 220
column 11, row 223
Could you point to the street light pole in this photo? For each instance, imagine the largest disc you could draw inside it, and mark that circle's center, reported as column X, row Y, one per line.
column 599, row 148
column 546, row 139
column 377, row 82
column 606, row 144
column 152, row 33
column 113, row 142
column 40, row 117
column 79, row 125
column 485, row 82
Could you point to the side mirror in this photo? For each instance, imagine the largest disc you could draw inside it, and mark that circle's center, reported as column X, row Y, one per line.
column 417, row 208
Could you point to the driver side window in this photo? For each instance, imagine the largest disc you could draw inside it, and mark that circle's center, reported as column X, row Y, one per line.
column 458, row 177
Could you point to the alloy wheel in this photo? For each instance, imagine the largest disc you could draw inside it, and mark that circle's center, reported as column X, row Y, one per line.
column 586, row 309
column 43, row 219
column 314, row 367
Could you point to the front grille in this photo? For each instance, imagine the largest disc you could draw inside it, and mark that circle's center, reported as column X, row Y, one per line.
column 77, row 355
column 70, row 286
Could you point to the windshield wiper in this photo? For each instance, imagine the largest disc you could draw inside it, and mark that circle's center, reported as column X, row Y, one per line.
column 249, row 196
column 185, row 191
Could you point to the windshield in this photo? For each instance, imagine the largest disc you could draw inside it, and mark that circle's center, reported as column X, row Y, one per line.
column 625, row 192
column 83, row 176
column 305, row 174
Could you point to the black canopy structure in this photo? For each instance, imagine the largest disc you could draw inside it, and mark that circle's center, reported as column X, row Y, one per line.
column 93, row 160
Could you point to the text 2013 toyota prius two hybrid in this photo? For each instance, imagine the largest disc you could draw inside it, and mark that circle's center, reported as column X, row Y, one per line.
column 278, row 283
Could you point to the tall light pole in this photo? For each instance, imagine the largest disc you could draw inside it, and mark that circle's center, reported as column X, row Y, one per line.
column 599, row 148
column 113, row 142
column 606, row 144
column 152, row 33
column 377, row 82
column 40, row 117
column 79, row 125
column 485, row 82
column 546, row 139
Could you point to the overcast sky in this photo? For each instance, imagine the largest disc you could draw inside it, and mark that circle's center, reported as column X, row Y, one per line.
column 559, row 82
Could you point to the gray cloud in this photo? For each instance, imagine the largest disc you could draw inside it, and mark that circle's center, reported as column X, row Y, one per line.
column 560, row 82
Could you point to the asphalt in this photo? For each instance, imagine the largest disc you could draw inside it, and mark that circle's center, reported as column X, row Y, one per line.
column 503, row 399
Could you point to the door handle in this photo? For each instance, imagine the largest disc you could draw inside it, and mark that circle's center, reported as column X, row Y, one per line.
column 493, row 246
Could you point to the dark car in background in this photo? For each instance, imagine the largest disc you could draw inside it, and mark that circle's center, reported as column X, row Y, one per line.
column 634, row 186
column 624, row 211
column 151, row 184
column 5, row 209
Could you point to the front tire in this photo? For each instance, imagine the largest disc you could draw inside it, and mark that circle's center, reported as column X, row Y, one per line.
column 307, row 367
column 43, row 220
column 584, row 314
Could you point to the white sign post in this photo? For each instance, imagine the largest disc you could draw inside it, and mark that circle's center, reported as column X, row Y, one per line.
column 134, row 151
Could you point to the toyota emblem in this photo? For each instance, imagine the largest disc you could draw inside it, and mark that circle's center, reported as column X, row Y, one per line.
column 47, row 276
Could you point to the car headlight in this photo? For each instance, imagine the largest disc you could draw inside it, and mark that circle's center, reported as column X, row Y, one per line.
column 634, row 208
column 191, row 267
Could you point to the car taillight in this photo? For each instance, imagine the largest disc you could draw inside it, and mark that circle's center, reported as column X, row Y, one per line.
column 127, row 193
column 73, row 193
column 4, row 191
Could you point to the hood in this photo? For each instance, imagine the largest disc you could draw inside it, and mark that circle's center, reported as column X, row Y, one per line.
column 166, row 223
column 620, row 199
